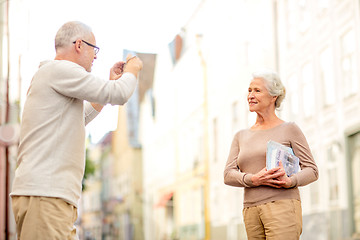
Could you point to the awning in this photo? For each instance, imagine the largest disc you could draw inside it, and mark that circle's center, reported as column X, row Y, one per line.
column 164, row 199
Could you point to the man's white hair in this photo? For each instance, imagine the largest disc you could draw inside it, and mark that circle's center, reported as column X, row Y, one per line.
column 70, row 32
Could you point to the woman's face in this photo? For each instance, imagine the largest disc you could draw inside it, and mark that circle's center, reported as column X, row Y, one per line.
column 258, row 97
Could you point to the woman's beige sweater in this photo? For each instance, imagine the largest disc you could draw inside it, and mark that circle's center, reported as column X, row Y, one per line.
column 248, row 156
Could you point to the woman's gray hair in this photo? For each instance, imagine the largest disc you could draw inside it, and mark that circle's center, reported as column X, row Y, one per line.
column 70, row 32
column 273, row 84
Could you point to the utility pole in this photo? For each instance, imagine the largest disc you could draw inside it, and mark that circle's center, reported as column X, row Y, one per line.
column 7, row 118
column 206, row 142
column 4, row 118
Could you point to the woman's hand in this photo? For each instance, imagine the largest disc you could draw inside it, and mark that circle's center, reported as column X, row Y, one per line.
column 275, row 177
column 287, row 181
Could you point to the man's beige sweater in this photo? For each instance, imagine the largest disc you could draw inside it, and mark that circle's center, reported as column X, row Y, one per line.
column 51, row 154
column 248, row 156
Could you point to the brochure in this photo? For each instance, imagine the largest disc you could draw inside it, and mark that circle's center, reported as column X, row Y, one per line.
column 277, row 152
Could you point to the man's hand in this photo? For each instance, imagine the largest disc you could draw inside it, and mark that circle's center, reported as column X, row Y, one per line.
column 117, row 70
column 115, row 73
column 133, row 64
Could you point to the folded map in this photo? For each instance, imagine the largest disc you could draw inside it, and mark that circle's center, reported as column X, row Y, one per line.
column 277, row 152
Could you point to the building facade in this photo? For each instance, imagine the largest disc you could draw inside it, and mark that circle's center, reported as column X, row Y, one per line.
column 10, row 90
column 3, row 109
column 163, row 178
column 199, row 93
column 319, row 62
column 112, row 204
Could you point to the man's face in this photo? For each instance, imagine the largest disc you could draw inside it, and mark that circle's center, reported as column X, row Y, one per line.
column 88, row 54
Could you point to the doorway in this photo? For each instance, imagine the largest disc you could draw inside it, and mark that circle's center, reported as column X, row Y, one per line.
column 354, row 150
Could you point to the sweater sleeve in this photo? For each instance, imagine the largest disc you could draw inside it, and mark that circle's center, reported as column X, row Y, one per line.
column 89, row 112
column 72, row 80
column 232, row 175
column 309, row 171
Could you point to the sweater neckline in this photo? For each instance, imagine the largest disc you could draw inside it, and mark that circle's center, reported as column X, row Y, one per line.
column 268, row 129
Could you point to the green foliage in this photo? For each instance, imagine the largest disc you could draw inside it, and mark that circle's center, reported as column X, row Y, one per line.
column 89, row 169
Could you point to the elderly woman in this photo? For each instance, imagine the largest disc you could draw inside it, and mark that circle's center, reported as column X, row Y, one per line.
column 272, row 207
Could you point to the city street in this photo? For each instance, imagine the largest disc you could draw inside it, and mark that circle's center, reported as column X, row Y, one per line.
column 155, row 166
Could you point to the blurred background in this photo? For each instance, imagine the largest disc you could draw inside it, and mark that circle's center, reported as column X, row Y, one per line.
column 155, row 166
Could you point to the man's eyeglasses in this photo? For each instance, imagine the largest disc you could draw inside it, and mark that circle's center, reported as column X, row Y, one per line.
column 96, row 48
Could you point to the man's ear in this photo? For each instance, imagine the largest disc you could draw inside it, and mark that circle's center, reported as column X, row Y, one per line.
column 77, row 45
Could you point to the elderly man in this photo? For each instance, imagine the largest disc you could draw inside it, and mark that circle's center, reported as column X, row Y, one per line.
column 50, row 165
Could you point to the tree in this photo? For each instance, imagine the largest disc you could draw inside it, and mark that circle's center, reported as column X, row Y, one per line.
column 89, row 169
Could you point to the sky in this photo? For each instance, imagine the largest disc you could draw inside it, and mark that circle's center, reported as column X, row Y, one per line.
column 137, row 25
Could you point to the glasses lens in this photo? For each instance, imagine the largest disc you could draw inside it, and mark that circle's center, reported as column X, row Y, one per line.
column 96, row 49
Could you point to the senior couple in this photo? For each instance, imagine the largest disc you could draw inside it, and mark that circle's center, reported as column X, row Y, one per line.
column 50, row 164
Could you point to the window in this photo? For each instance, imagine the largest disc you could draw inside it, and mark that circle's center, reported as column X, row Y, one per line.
column 323, row 4
column 354, row 149
column 305, row 15
column 348, row 63
column 308, row 93
column 327, row 76
column 235, row 116
column 292, row 22
column 333, row 155
column 333, row 185
column 292, row 85
column 315, row 187
column 215, row 137
column 187, row 144
column 199, row 150
column 315, row 196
